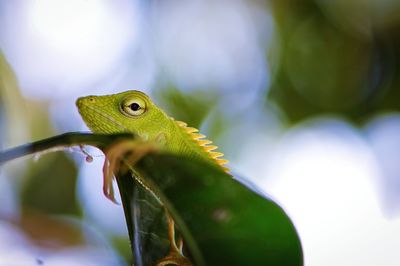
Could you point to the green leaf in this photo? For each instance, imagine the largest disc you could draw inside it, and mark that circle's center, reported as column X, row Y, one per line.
column 222, row 221
column 146, row 221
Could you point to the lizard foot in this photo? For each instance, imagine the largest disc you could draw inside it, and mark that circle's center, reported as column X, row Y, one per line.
column 175, row 255
column 130, row 150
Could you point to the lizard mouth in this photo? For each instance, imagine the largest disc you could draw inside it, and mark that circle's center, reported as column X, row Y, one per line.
column 93, row 117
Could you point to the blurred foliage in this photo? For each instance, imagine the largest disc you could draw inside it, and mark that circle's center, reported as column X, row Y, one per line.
column 191, row 107
column 49, row 231
column 50, row 186
column 4, row 72
column 46, row 186
column 322, row 67
column 2, row 120
column 123, row 247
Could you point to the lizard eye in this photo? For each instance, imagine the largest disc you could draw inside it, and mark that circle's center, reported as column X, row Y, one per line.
column 133, row 106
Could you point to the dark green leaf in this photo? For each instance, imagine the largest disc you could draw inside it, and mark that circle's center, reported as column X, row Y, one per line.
column 222, row 221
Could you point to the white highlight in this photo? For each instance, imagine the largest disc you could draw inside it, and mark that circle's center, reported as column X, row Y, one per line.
column 62, row 22
column 212, row 44
column 325, row 177
column 99, row 210
column 383, row 133
column 59, row 48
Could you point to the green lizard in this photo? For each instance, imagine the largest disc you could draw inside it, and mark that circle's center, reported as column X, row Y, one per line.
column 133, row 111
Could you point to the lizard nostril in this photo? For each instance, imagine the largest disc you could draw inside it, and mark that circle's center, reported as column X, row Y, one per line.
column 84, row 100
column 79, row 102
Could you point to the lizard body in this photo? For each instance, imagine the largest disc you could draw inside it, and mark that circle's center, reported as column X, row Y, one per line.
column 134, row 112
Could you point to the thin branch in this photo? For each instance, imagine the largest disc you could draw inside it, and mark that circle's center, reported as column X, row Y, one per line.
column 64, row 140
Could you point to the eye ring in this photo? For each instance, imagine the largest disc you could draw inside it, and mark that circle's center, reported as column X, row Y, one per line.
column 133, row 106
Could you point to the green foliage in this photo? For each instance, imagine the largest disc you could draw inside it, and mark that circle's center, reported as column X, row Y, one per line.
column 190, row 107
column 323, row 64
column 50, row 186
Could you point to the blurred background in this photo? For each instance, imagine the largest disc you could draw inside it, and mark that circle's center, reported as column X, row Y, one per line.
column 302, row 96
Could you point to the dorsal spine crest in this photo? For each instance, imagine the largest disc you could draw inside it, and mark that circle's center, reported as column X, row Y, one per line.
column 204, row 143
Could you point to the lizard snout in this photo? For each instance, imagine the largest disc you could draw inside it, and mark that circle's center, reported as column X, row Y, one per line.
column 82, row 101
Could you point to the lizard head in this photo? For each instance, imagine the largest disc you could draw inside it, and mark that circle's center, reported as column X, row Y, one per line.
column 130, row 111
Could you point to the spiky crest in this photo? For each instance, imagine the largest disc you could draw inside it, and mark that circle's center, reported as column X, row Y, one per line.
column 204, row 143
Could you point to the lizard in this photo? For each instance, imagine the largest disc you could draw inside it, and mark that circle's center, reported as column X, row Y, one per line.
column 134, row 112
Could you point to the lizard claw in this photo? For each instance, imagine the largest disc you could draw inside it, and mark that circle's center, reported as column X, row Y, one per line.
column 112, row 163
column 108, row 191
column 108, row 178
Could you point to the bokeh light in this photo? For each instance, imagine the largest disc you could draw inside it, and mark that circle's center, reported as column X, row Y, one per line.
column 383, row 134
column 213, row 44
column 95, row 205
column 71, row 45
column 326, row 176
